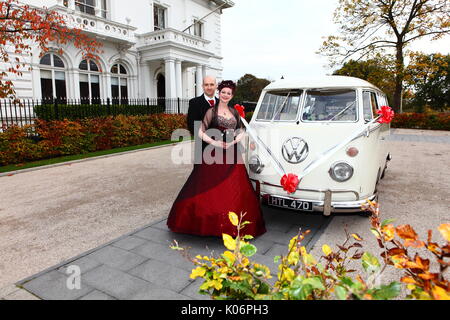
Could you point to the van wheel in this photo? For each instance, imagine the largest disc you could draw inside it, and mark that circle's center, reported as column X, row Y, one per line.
column 365, row 214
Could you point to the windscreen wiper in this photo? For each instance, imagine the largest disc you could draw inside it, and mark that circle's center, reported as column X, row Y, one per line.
column 280, row 107
column 351, row 105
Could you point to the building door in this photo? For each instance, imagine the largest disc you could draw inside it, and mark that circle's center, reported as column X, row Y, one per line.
column 161, row 86
column 161, row 90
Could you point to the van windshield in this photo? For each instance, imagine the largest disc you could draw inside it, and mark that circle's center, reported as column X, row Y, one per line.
column 330, row 105
column 280, row 105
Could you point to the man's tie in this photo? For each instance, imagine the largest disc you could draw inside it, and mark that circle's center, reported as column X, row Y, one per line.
column 212, row 103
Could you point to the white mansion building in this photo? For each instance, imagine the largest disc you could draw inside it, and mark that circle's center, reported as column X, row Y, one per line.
column 152, row 48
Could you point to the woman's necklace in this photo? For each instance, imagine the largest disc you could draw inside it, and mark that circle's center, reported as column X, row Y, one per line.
column 223, row 112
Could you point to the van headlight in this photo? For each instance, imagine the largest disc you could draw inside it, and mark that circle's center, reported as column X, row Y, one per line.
column 255, row 165
column 341, row 172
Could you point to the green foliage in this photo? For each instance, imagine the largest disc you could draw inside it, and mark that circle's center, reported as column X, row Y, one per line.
column 428, row 76
column 249, row 116
column 74, row 112
column 249, row 88
column 378, row 71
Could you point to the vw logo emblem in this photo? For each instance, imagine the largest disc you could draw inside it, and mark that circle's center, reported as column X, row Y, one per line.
column 295, row 150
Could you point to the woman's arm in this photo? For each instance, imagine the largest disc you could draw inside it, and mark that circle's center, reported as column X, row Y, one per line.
column 202, row 131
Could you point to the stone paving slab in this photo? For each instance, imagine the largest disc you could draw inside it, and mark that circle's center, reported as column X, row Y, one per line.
column 140, row 265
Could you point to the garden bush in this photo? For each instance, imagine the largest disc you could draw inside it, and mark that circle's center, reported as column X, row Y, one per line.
column 73, row 112
column 428, row 121
column 62, row 138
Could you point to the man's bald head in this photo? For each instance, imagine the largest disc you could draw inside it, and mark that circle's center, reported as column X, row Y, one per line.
column 209, row 86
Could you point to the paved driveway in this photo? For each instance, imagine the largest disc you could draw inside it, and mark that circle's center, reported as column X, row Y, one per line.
column 53, row 218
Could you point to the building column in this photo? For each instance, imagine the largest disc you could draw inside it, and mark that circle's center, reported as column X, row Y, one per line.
column 199, row 81
column 108, row 90
column 178, row 75
column 76, row 84
column 98, row 8
column 171, row 89
column 204, row 71
column 36, row 82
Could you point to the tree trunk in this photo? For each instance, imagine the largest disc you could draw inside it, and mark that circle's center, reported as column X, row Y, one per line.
column 399, row 68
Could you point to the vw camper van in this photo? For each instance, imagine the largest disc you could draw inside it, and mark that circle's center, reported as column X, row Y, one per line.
column 298, row 121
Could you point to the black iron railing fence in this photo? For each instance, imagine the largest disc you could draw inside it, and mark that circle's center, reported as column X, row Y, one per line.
column 24, row 112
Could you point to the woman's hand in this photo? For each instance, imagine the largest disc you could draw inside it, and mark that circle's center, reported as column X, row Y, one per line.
column 218, row 144
column 228, row 145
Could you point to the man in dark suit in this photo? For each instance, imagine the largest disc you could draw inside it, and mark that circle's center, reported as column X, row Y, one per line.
column 197, row 111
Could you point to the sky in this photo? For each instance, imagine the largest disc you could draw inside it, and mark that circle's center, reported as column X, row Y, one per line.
column 270, row 39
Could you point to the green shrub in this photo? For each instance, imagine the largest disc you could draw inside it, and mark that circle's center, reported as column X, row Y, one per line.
column 73, row 112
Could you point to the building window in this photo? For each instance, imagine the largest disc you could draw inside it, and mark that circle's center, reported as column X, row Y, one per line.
column 86, row 6
column 159, row 18
column 119, row 84
column 53, row 78
column 198, row 28
column 89, row 82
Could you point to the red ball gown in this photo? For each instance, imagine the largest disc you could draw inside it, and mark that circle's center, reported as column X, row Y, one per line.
column 213, row 190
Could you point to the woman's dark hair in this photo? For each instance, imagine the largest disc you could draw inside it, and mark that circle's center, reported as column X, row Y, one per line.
column 231, row 85
column 227, row 84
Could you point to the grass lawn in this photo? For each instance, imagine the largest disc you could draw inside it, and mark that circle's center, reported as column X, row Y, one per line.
column 40, row 163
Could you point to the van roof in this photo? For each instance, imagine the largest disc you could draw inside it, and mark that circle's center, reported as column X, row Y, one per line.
column 320, row 82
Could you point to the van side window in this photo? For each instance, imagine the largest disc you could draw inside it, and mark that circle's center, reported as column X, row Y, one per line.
column 382, row 101
column 370, row 105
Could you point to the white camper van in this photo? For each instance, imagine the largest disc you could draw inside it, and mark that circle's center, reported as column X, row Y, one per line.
column 300, row 120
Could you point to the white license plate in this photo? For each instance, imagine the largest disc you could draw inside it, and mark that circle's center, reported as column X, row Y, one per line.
column 290, row 204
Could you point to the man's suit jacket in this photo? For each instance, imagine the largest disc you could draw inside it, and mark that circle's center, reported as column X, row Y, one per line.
column 197, row 111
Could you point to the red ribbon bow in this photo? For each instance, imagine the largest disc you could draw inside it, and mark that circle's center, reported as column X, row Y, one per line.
column 387, row 114
column 241, row 110
column 290, row 183
column 212, row 103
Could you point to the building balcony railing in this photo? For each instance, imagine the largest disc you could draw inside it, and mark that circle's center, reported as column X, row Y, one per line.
column 99, row 26
column 172, row 36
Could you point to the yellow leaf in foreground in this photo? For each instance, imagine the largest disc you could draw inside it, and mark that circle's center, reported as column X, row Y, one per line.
column 230, row 256
column 233, row 218
column 440, row 294
column 327, row 250
column 444, row 229
column 229, row 242
column 199, row 272
column 357, row 237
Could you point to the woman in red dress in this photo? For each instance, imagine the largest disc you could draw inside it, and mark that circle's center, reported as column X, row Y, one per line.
column 219, row 184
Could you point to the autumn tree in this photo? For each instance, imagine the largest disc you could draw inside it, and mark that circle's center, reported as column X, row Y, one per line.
column 428, row 75
column 368, row 27
column 378, row 71
column 249, row 88
column 23, row 27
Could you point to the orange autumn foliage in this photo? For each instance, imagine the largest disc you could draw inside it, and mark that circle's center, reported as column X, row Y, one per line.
column 23, row 26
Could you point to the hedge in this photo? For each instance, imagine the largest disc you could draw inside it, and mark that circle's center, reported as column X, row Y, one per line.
column 428, row 121
column 74, row 112
column 63, row 138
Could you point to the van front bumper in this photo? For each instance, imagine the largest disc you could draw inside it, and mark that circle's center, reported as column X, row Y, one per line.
column 326, row 206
